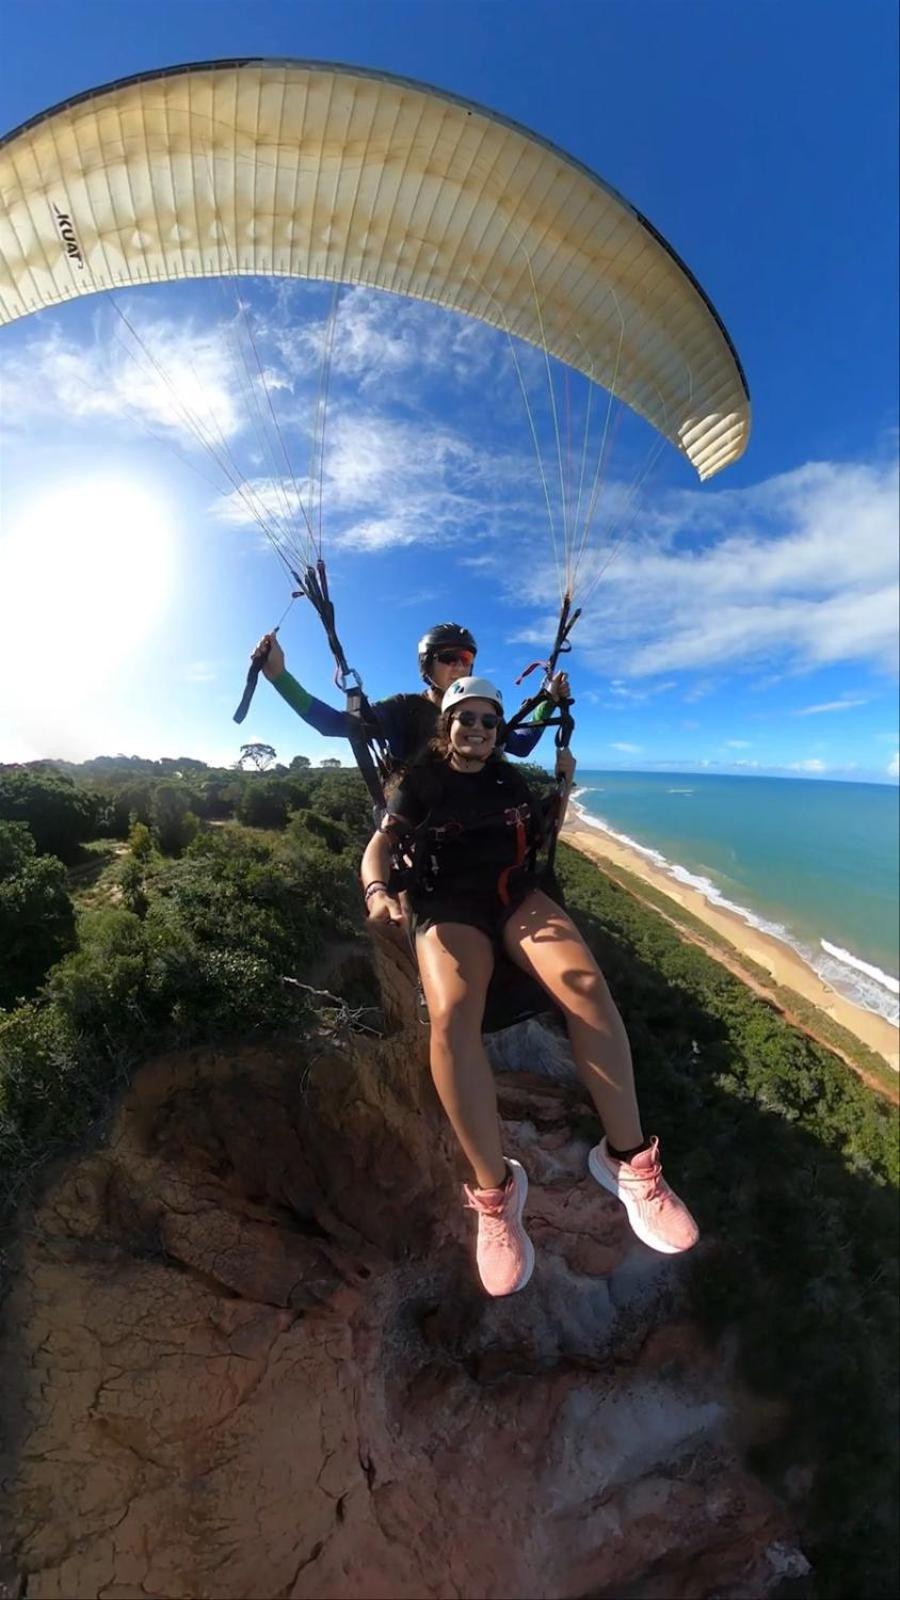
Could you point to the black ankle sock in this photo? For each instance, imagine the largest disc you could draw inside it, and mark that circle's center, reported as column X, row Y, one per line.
column 626, row 1155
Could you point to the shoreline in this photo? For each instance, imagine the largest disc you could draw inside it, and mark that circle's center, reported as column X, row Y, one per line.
column 788, row 969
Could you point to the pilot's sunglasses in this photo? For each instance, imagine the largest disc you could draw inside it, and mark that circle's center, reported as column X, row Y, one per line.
column 470, row 719
column 454, row 658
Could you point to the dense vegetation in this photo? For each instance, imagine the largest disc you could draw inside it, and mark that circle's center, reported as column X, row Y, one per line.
column 791, row 1163
column 192, row 895
column 178, row 925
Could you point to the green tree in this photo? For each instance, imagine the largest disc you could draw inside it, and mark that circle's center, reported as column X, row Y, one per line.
column 174, row 824
column 261, row 755
column 264, row 804
column 59, row 816
column 140, row 841
column 37, row 919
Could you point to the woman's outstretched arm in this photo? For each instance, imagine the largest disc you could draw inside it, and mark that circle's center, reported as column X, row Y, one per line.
column 381, row 905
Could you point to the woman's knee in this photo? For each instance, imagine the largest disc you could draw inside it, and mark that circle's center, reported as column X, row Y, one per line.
column 455, row 1021
column 585, row 993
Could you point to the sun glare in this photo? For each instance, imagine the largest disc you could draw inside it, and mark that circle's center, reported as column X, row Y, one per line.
column 85, row 572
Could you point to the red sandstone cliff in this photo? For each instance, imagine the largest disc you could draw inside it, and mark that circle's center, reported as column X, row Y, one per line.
column 247, row 1357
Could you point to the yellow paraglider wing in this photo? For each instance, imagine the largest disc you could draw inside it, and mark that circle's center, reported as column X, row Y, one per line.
column 334, row 173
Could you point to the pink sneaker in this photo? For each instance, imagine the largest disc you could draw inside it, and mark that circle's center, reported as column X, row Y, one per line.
column 504, row 1253
column 655, row 1212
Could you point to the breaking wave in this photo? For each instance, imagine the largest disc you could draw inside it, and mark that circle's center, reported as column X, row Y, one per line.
column 857, row 980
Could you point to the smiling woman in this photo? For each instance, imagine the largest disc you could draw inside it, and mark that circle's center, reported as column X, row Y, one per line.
column 86, row 570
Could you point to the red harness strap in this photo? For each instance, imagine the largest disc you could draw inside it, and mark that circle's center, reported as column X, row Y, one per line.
column 515, row 817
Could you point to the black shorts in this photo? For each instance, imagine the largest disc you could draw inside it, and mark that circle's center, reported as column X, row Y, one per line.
column 484, row 910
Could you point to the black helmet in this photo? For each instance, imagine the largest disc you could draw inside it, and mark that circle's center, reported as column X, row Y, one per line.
column 443, row 636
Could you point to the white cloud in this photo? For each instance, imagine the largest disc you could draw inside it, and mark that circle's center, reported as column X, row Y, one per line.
column 643, row 691
column 628, row 749
column 383, row 344
column 830, row 705
column 184, row 380
column 813, row 765
column 893, row 766
column 798, row 572
column 390, row 483
column 788, row 575
column 200, row 672
column 738, row 744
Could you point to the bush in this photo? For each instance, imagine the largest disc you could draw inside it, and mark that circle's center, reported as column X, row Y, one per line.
column 42, row 1101
column 264, row 803
column 174, row 824
column 37, row 918
column 132, row 886
column 140, row 841
column 308, row 827
column 59, row 816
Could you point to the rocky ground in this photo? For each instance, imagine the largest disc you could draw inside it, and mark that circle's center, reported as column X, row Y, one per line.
column 247, row 1356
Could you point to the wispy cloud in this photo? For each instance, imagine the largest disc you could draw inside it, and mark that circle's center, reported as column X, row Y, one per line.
column 200, row 672
column 627, row 749
column 794, row 573
column 184, row 379
column 738, row 744
column 893, row 766
column 391, row 483
column 385, row 345
column 641, row 691
column 812, row 765
column 800, row 571
column 829, row 705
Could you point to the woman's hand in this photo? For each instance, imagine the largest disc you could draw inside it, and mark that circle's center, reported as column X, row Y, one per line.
column 558, row 687
column 272, row 656
column 383, row 907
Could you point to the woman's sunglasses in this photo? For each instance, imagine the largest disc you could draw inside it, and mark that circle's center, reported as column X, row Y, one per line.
column 470, row 719
column 454, row 658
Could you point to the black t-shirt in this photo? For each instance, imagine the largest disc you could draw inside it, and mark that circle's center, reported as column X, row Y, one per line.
column 475, row 822
column 407, row 722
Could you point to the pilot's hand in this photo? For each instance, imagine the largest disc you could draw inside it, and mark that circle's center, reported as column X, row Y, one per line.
column 272, row 656
column 565, row 766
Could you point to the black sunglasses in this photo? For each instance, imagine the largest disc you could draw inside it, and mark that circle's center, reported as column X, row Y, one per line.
column 470, row 719
column 452, row 658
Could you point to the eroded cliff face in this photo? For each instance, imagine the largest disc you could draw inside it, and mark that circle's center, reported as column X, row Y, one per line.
column 248, row 1357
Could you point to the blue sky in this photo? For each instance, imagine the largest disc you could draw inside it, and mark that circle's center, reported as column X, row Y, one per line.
column 747, row 625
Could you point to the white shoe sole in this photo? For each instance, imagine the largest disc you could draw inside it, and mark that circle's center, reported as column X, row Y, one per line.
column 608, row 1181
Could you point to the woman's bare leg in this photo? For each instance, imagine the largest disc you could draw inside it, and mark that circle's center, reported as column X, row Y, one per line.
column 455, row 965
column 544, row 941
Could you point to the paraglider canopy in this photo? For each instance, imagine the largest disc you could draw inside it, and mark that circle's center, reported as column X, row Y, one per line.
column 335, row 173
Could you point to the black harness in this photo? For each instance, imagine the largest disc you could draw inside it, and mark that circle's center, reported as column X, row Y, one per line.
column 370, row 748
column 417, row 854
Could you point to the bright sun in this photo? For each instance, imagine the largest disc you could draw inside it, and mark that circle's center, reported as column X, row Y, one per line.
column 85, row 572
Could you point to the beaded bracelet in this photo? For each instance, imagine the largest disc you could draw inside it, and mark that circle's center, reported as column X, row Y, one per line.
column 370, row 888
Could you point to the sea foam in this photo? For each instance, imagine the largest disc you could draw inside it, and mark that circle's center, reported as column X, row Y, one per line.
column 865, row 985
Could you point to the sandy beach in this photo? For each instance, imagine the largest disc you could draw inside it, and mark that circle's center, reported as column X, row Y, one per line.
column 787, row 969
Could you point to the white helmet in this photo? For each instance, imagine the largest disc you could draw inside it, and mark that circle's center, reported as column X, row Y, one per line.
column 471, row 689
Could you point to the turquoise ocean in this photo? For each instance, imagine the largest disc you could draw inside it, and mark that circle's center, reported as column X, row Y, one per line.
column 813, row 863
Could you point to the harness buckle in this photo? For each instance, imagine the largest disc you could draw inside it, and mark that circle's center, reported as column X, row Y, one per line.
column 448, row 830
column 513, row 815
